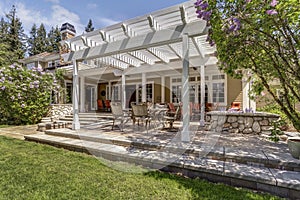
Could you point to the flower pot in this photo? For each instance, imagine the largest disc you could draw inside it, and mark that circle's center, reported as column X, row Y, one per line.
column 294, row 146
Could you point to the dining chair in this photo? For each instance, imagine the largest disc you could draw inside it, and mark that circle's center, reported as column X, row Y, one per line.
column 140, row 112
column 119, row 115
column 171, row 119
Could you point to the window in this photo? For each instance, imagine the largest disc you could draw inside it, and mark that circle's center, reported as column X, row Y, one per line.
column 30, row 65
column 53, row 64
column 115, row 94
column 176, row 93
column 218, row 77
column 218, row 93
column 149, row 92
column 69, row 88
column 192, row 93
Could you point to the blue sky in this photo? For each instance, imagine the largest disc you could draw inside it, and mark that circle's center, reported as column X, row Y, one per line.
column 78, row 12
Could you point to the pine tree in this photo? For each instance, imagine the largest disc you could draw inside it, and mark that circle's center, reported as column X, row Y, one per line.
column 16, row 38
column 5, row 55
column 41, row 39
column 3, row 31
column 32, row 41
column 54, row 37
column 89, row 27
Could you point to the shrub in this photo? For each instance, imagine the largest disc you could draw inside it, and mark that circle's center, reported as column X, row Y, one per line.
column 25, row 94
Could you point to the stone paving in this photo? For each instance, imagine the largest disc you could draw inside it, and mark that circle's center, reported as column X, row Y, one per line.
column 249, row 161
column 19, row 131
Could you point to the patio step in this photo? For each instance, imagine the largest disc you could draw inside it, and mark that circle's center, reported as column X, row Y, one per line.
column 279, row 182
column 87, row 118
column 258, row 158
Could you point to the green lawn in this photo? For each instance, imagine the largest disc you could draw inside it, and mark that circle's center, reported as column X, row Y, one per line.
column 33, row 171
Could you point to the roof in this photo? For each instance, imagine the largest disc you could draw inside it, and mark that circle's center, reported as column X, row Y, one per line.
column 42, row 57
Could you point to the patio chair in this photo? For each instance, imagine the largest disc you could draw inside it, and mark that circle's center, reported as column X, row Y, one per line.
column 107, row 105
column 100, row 105
column 196, row 111
column 171, row 107
column 118, row 114
column 235, row 106
column 171, row 119
column 209, row 107
column 140, row 112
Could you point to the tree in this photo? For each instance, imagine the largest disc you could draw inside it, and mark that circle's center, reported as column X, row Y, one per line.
column 5, row 54
column 262, row 37
column 54, row 37
column 3, row 31
column 41, row 39
column 89, row 27
column 32, row 41
column 16, row 39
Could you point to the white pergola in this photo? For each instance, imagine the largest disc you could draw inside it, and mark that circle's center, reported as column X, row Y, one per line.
column 157, row 39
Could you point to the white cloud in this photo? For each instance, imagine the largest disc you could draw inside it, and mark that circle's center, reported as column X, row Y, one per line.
column 61, row 15
column 53, row 1
column 29, row 17
column 92, row 6
column 57, row 16
column 106, row 21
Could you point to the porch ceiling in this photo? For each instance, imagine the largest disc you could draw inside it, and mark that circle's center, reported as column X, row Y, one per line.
column 147, row 40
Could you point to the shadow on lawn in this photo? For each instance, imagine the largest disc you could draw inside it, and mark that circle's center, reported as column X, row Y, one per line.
column 202, row 189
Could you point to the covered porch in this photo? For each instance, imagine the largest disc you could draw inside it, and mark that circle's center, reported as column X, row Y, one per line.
column 160, row 57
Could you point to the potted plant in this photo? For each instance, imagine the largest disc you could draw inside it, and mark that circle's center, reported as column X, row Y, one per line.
column 294, row 146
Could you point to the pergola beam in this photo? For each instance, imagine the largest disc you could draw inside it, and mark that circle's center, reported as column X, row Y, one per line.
column 152, row 39
column 159, row 55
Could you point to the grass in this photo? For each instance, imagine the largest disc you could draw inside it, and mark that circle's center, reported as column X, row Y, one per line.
column 3, row 126
column 34, row 171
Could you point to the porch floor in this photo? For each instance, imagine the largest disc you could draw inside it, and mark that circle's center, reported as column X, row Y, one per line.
column 249, row 161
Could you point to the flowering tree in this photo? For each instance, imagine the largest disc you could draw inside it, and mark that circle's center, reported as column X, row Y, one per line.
column 25, row 94
column 261, row 36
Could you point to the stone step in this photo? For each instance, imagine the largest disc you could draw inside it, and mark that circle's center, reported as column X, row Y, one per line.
column 279, row 182
column 258, row 158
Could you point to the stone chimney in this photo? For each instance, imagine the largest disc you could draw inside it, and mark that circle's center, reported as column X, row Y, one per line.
column 67, row 31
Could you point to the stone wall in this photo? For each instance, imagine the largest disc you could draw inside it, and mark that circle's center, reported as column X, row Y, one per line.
column 60, row 110
column 236, row 122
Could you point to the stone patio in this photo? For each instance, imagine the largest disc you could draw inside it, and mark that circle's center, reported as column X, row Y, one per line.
column 249, row 161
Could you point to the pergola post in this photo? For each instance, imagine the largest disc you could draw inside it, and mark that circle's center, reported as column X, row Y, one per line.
column 144, row 88
column 202, row 100
column 185, row 134
column 163, row 89
column 76, row 123
column 82, row 94
column 123, row 92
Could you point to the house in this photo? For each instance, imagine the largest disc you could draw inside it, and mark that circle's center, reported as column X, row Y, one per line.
column 159, row 57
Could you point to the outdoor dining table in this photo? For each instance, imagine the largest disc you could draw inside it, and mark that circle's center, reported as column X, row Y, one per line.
column 157, row 115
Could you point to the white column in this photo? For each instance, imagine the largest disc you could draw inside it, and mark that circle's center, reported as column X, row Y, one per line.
column 82, row 94
column 123, row 96
column 247, row 102
column 75, row 124
column 202, row 100
column 163, row 89
column 185, row 134
column 109, row 90
column 144, row 89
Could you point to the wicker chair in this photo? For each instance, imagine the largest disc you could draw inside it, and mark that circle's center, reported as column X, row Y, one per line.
column 119, row 115
column 170, row 119
column 140, row 112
